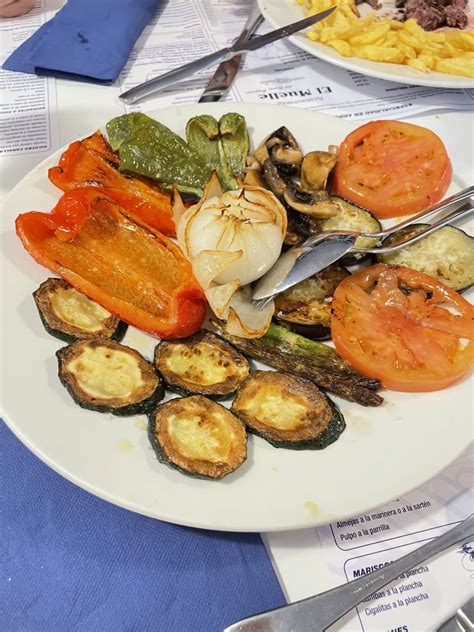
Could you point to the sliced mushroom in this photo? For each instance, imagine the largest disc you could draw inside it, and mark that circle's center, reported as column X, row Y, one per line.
column 305, row 201
column 316, row 167
column 273, row 179
column 286, row 155
column 281, row 147
column 300, row 227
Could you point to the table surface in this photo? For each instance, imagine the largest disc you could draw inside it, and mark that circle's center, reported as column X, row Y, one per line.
column 57, row 572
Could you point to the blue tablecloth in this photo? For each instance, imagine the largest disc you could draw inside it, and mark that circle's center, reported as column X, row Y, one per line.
column 70, row 561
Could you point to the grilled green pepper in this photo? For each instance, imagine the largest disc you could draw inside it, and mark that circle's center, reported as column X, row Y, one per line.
column 223, row 145
column 149, row 148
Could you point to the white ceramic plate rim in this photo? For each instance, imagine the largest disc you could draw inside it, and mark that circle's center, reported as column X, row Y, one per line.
column 271, row 492
column 281, row 12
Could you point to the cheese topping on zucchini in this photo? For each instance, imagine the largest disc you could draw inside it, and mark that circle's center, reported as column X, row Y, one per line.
column 79, row 310
column 105, row 373
column 279, row 408
column 70, row 315
column 198, row 436
column 202, row 364
column 286, row 410
column 205, row 438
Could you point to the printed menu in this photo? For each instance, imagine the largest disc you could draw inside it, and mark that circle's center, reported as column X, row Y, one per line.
column 28, row 105
column 355, row 547
column 180, row 32
column 279, row 73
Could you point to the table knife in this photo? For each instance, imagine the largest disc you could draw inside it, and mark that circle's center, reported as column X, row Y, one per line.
column 222, row 79
column 461, row 621
column 317, row 613
column 153, row 85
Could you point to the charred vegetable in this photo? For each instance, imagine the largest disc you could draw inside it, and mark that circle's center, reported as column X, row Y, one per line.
column 299, row 182
column 347, row 216
column 198, row 436
column 305, row 201
column 306, row 307
column 446, row 255
column 300, row 227
column 286, row 411
column 91, row 162
column 223, row 145
column 203, row 364
column 134, row 272
column 69, row 315
column 151, row 149
column 282, row 150
column 312, row 360
column 106, row 376
column 316, row 167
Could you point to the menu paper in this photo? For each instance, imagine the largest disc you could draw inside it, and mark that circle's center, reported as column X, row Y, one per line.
column 180, row 32
column 355, row 547
column 28, row 111
column 281, row 73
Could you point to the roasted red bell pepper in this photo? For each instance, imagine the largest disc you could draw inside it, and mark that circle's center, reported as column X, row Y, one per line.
column 136, row 273
column 91, row 162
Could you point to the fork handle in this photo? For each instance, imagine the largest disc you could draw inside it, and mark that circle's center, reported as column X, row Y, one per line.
column 317, row 613
column 457, row 214
column 338, row 601
column 460, row 196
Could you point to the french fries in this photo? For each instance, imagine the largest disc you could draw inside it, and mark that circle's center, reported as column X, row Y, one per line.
column 382, row 39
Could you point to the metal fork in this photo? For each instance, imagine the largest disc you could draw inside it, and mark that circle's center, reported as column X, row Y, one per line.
column 317, row 613
column 319, row 251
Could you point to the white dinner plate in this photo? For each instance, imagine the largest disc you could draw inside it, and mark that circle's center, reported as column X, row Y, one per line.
column 383, row 453
column 281, row 12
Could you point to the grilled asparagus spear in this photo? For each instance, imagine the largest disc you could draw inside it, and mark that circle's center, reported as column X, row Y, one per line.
column 346, row 384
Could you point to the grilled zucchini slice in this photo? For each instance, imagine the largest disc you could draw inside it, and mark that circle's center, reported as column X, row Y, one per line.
column 446, row 255
column 306, row 307
column 202, row 364
column 108, row 377
column 351, row 217
column 287, row 411
column 198, row 437
column 69, row 315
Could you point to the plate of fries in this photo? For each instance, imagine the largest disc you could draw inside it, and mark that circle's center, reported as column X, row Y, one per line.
column 371, row 42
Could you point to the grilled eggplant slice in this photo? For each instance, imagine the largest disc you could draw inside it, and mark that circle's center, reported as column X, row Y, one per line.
column 198, row 437
column 108, row 377
column 69, row 315
column 351, row 217
column 202, row 364
column 287, row 411
column 306, row 307
column 446, row 255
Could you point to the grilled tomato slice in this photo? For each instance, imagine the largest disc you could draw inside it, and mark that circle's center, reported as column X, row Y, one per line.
column 403, row 327
column 392, row 168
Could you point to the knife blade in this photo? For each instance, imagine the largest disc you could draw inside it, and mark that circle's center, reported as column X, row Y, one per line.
column 461, row 621
column 301, row 262
column 225, row 73
column 153, row 85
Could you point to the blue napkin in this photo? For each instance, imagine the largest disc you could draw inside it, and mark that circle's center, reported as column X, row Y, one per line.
column 70, row 561
column 86, row 39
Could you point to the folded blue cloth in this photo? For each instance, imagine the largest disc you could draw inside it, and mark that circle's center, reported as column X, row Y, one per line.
column 86, row 39
column 70, row 561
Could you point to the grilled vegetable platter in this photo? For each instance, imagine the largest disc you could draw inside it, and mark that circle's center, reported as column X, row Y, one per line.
column 148, row 256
